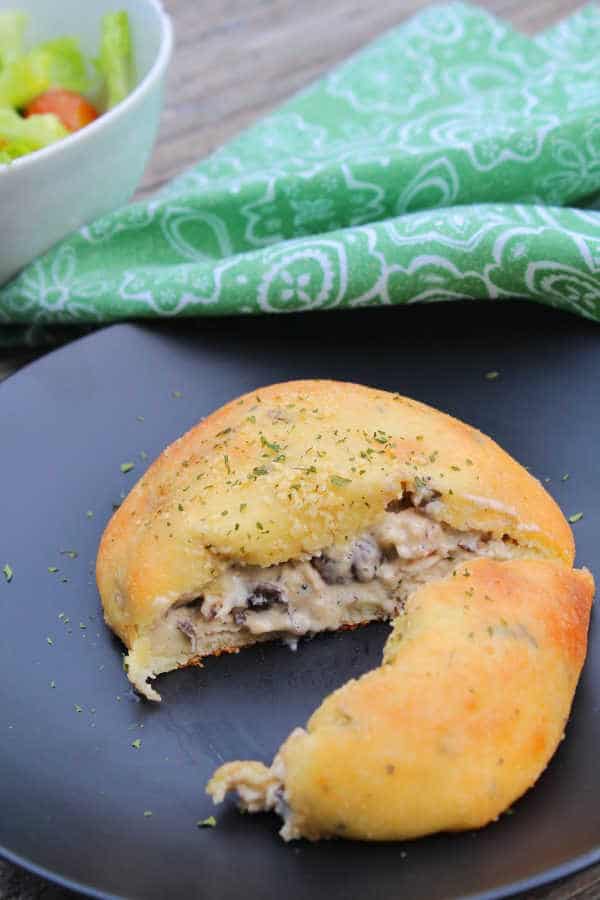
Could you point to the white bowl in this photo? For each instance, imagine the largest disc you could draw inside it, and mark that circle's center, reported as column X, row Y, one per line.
column 49, row 193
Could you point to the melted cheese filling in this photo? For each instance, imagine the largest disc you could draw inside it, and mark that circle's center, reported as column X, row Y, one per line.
column 366, row 578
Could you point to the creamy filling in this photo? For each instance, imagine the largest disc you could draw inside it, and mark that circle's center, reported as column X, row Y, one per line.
column 366, row 578
column 258, row 788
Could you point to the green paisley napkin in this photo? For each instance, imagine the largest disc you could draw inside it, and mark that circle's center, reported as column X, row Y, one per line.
column 451, row 158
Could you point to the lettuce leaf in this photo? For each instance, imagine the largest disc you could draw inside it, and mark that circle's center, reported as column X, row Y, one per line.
column 19, row 84
column 12, row 31
column 116, row 57
column 10, row 150
column 19, row 136
column 57, row 63
column 62, row 63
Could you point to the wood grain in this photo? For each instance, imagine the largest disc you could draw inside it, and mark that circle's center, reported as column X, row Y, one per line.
column 234, row 61
column 237, row 59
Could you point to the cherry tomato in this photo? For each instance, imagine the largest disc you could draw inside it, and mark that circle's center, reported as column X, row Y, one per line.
column 73, row 110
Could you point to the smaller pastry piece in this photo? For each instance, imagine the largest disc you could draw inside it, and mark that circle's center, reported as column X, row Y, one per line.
column 462, row 717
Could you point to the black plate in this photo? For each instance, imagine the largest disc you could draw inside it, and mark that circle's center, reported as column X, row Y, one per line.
column 73, row 789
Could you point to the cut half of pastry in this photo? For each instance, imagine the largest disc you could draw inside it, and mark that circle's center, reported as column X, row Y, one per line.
column 461, row 718
column 304, row 507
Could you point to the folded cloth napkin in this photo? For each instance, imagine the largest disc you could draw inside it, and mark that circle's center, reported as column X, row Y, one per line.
column 451, row 158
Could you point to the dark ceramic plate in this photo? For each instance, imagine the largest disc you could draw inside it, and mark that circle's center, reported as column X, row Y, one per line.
column 73, row 789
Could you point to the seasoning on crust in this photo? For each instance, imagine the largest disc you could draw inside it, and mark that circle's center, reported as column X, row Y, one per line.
column 302, row 507
column 463, row 716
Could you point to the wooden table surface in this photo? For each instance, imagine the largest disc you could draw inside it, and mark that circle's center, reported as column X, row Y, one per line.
column 234, row 61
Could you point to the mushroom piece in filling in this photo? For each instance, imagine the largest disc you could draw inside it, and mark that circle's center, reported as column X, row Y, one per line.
column 366, row 578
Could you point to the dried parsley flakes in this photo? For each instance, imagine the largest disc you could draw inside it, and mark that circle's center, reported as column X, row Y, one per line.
column 339, row 480
column 270, row 444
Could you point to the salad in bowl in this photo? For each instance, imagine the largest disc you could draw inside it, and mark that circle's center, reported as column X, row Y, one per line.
column 49, row 90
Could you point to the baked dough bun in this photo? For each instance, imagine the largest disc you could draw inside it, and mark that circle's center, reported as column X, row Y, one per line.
column 307, row 506
column 462, row 717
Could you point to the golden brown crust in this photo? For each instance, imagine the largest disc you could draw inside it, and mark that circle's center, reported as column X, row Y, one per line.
column 289, row 469
column 461, row 719
column 478, row 676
